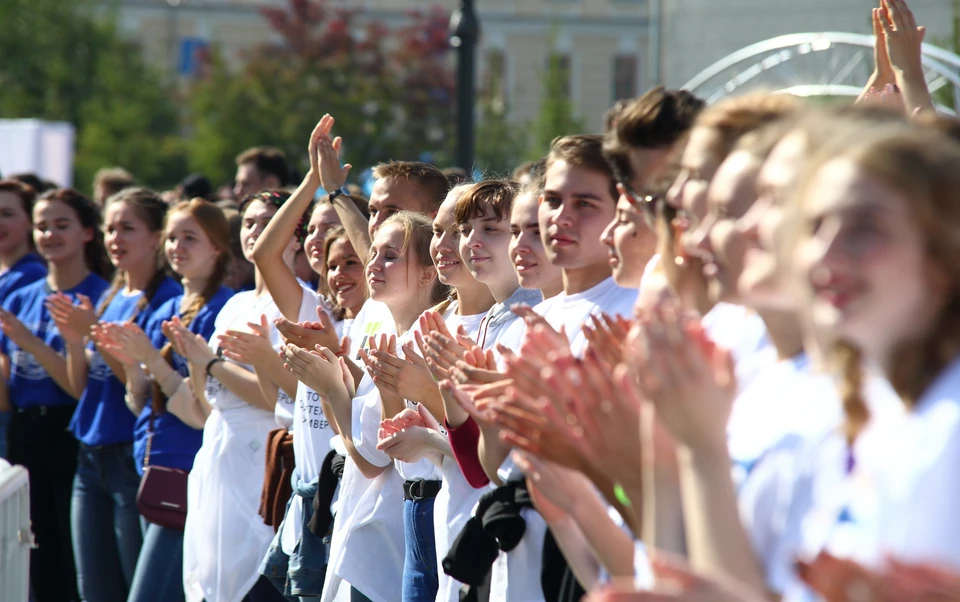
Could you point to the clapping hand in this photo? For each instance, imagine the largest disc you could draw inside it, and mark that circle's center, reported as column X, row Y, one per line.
column 252, row 347
column 73, row 320
column 310, row 334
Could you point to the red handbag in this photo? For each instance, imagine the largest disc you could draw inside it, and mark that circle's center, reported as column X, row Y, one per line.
column 162, row 497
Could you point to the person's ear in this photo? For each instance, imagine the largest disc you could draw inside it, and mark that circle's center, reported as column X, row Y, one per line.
column 427, row 276
column 88, row 234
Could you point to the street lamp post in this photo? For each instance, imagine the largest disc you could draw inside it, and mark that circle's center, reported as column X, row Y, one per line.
column 464, row 34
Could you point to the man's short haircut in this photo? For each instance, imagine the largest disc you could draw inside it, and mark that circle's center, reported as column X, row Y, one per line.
column 456, row 175
column 112, row 180
column 495, row 195
column 531, row 169
column 432, row 183
column 656, row 120
column 585, row 151
column 34, row 181
column 269, row 161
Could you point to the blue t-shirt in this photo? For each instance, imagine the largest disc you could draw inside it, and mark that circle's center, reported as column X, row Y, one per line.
column 30, row 385
column 102, row 416
column 28, row 268
column 174, row 443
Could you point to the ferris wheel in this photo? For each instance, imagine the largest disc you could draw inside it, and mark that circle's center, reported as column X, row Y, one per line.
column 819, row 64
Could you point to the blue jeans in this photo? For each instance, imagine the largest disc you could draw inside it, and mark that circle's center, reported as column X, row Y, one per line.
column 105, row 522
column 420, row 579
column 4, row 421
column 159, row 574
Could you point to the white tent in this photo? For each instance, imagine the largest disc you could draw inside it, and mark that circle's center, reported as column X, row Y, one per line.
column 41, row 147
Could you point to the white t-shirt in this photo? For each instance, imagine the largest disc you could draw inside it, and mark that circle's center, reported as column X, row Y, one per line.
column 822, row 503
column 369, row 521
column 224, row 538
column 424, row 468
column 311, row 433
column 743, row 332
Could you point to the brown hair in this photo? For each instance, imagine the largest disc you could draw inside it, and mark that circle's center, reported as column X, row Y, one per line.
column 88, row 213
column 112, row 180
column 417, row 234
column 656, row 120
column 150, row 208
column 733, row 118
column 497, row 195
column 335, row 234
column 214, row 224
column 949, row 126
column 430, row 180
column 585, row 151
column 269, row 161
column 25, row 193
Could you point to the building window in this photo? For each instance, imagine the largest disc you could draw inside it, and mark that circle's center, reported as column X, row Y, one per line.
column 495, row 82
column 558, row 74
column 624, row 76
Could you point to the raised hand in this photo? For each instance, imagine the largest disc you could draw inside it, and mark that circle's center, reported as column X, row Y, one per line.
column 690, row 381
column 14, row 329
column 320, row 369
column 73, row 320
column 191, row 346
column 478, row 367
column 310, row 334
column 902, row 37
column 606, row 336
column 126, row 342
column 884, row 70
column 409, row 376
column 252, row 347
column 327, row 153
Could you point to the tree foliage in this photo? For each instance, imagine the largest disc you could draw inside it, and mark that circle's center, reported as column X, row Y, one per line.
column 70, row 65
column 391, row 91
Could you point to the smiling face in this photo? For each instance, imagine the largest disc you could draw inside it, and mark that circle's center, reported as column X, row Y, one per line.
column 188, row 248
column 256, row 216
column 392, row 274
column 631, row 242
column 57, row 231
column 697, row 166
column 718, row 241
column 861, row 257
column 345, row 276
column 323, row 219
column 14, row 223
column 129, row 241
column 526, row 249
column 445, row 245
column 760, row 282
column 576, row 207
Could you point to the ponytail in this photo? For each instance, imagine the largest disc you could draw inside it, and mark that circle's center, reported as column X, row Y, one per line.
column 848, row 360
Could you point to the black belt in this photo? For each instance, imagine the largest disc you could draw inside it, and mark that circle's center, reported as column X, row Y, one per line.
column 418, row 489
column 43, row 411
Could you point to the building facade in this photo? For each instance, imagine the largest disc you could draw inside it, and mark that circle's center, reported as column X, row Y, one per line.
column 609, row 49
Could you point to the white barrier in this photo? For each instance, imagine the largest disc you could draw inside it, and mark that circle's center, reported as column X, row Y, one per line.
column 16, row 539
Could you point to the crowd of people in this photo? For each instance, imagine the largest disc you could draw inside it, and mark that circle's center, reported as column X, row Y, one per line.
column 710, row 355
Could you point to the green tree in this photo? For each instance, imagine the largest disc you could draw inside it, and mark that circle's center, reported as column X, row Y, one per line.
column 62, row 62
column 944, row 95
column 391, row 91
column 558, row 115
column 501, row 144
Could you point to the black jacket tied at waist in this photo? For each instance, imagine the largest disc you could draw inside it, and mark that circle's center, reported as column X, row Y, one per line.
column 496, row 525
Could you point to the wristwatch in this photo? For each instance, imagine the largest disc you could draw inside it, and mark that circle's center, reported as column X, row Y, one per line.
column 342, row 191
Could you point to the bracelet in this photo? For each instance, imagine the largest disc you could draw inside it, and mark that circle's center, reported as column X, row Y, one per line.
column 210, row 365
column 621, row 495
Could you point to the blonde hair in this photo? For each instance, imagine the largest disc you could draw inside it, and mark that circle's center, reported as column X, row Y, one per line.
column 922, row 165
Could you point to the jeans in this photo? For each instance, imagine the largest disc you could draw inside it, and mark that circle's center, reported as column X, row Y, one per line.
column 420, row 579
column 48, row 450
column 4, row 421
column 105, row 522
column 159, row 573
